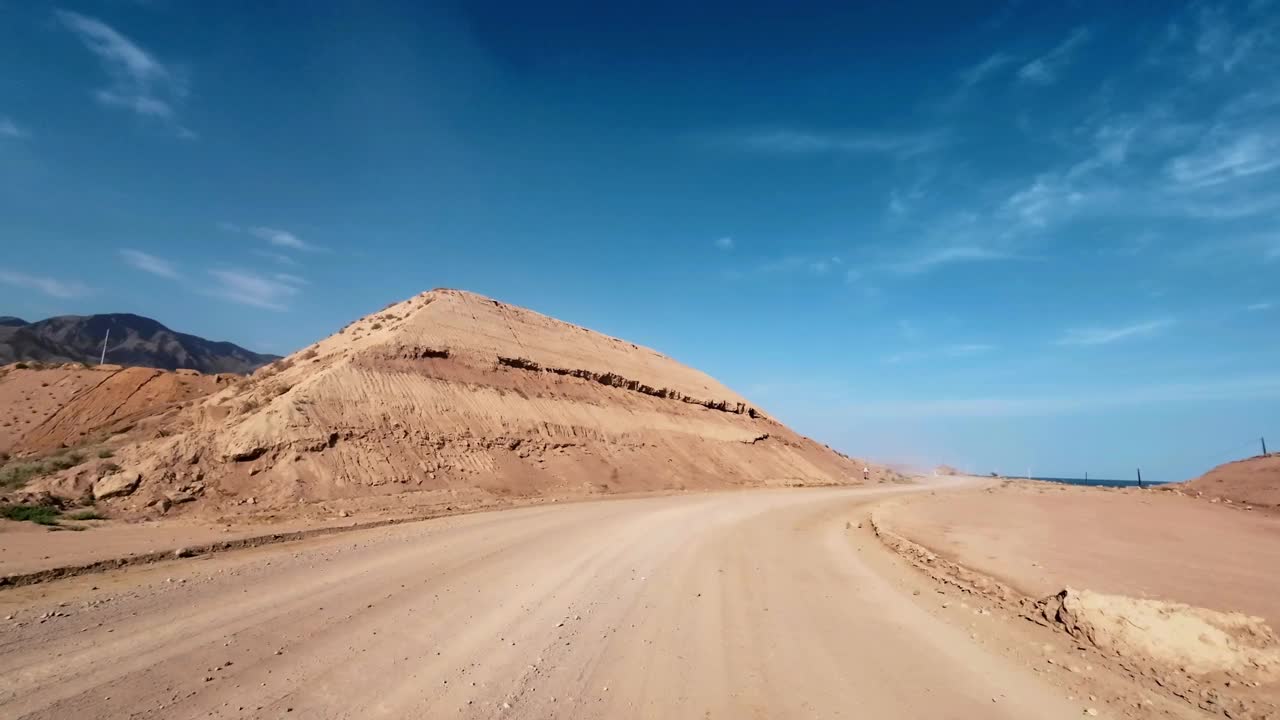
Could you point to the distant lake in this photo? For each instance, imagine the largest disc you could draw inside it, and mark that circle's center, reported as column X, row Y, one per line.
column 1097, row 482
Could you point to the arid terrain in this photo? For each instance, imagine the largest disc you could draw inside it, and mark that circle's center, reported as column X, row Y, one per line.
column 775, row 603
column 451, row 393
column 1253, row 482
column 1179, row 589
column 460, row 508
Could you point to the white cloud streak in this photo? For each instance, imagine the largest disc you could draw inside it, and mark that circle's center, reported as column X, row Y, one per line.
column 933, row 258
column 724, row 243
column 1106, row 336
column 250, row 288
column 281, row 238
column 1084, row 401
column 150, row 263
column 277, row 257
column 9, row 129
column 1226, row 155
column 139, row 82
column 955, row 351
column 859, row 142
column 1045, row 69
column 47, row 285
column 975, row 74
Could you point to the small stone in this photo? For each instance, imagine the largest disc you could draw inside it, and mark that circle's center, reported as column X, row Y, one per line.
column 121, row 483
column 1092, row 712
column 343, row 513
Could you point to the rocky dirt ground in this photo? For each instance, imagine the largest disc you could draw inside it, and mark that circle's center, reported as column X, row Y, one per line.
column 764, row 603
column 1252, row 482
column 1173, row 591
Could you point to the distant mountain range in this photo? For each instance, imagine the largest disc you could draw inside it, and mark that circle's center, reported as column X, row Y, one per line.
column 135, row 340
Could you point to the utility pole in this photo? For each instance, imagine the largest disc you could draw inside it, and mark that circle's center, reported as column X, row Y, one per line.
column 1264, row 446
column 103, row 359
column 1139, row 478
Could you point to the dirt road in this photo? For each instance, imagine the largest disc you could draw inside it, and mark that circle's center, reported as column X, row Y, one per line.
column 730, row 605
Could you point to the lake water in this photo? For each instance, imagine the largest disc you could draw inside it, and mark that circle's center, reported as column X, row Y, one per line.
column 1097, row 482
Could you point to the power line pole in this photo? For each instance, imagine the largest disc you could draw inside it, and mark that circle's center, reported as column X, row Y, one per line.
column 1139, row 478
column 1264, row 446
column 103, row 359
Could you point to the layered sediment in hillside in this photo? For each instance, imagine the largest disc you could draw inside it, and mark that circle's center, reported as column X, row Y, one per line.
column 52, row 407
column 450, row 390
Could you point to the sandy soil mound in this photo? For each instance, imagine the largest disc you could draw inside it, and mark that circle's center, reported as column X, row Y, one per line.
column 1191, row 640
column 1255, row 481
column 53, row 407
column 450, row 391
column 30, row 395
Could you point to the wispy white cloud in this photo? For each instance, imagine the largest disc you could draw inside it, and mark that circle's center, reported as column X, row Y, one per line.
column 1222, row 45
column 792, row 264
column 933, row 258
column 1086, row 400
column 1106, row 336
column 9, row 129
column 1259, row 307
column 281, row 238
column 288, row 279
column 976, row 74
column 139, row 82
column 967, row 349
column 250, row 288
column 150, row 263
column 1047, row 198
column 1224, row 156
column 1045, row 69
column 851, row 142
column 954, row 351
column 49, row 286
column 280, row 258
column 724, row 243
column 822, row 266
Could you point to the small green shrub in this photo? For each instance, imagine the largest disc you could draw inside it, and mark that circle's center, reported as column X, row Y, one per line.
column 38, row 514
column 105, row 453
column 17, row 474
column 86, row 515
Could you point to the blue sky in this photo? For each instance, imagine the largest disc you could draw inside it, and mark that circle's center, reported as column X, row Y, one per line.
column 1002, row 235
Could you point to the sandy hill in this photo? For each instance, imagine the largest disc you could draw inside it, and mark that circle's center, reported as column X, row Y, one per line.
column 134, row 340
column 451, row 391
column 50, row 407
column 1254, row 481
